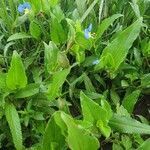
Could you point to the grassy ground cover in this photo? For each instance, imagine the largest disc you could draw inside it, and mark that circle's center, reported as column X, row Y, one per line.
column 74, row 74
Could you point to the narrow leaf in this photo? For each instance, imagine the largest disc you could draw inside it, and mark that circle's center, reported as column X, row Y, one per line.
column 18, row 36
column 128, row 125
column 105, row 24
column 130, row 100
column 14, row 124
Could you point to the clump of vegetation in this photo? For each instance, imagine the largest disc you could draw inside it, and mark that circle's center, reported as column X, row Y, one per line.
column 74, row 74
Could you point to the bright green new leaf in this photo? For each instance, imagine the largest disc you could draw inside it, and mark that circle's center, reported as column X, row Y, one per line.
column 14, row 124
column 130, row 100
column 95, row 114
column 16, row 77
column 18, row 36
column 78, row 138
column 115, row 53
column 57, row 81
column 91, row 111
column 82, row 42
column 125, row 124
column 104, row 128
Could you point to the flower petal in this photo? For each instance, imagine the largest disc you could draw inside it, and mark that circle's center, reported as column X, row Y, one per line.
column 90, row 27
column 86, row 34
column 20, row 8
column 95, row 62
column 26, row 5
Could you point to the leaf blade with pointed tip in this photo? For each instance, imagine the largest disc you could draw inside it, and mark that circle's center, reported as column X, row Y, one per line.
column 16, row 77
column 115, row 53
column 18, row 36
column 14, row 124
column 125, row 124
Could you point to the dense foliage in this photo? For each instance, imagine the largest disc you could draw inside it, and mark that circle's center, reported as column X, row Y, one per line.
column 74, row 74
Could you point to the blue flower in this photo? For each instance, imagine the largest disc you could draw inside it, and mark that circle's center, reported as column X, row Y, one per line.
column 95, row 62
column 24, row 8
column 87, row 32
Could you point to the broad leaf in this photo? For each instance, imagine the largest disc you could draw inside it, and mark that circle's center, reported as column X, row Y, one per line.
column 91, row 111
column 53, row 138
column 95, row 114
column 16, row 77
column 14, row 124
column 78, row 138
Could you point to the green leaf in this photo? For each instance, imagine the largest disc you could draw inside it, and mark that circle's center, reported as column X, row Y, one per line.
column 58, row 13
column 81, row 6
column 126, row 142
column 130, row 100
column 145, row 145
column 3, row 86
column 35, row 29
column 117, row 147
column 125, row 124
column 58, row 34
column 88, row 84
column 53, row 3
column 29, row 90
column 53, row 138
column 104, row 128
column 51, row 56
column 14, row 124
column 115, row 53
column 145, row 81
column 18, row 36
column 105, row 24
column 82, row 42
column 95, row 114
column 114, row 96
column 91, row 111
column 105, row 105
column 57, row 81
column 88, row 11
column 16, row 77
column 86, row 141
